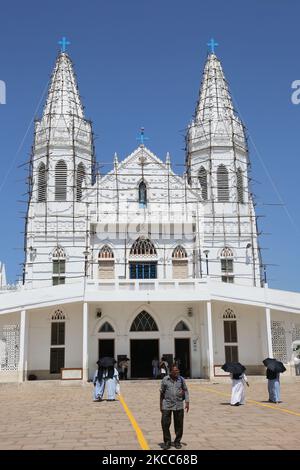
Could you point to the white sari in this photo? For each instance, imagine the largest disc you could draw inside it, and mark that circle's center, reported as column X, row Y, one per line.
column 238, row 390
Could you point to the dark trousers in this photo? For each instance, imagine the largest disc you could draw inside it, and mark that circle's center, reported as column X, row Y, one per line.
column 166, row 423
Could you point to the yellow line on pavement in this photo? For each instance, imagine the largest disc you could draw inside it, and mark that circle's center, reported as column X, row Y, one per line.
column 265, row 405
column 140, row 436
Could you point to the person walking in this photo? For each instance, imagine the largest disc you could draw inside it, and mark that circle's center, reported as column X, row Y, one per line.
column 155, row 368
column 99, row 383
column 273, row 386
column 111, row 377
column 163, row 367
column 173, row 392
column 124, row 365
column 274, row 369
column 238, row 389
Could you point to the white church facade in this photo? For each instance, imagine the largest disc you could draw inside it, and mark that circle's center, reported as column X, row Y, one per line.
column 142, row 262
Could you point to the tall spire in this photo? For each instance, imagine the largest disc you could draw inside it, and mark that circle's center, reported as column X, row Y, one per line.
column 63, row 96
column 215, row 121
column 214, row 99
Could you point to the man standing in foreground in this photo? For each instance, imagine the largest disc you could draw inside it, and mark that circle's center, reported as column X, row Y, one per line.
column 173, row 392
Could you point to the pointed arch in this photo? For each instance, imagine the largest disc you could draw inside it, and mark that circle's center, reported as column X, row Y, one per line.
column 58, row 315
column 106, row 263
column 226, row 252
column 80, row 177
column 181, row 326
column 106, row 327
column 61, row 170
column 42, row 183
column 222, row 184
column 179, row 252
column 230, row 336
column 143, row 246
column 229, row 314
column 142, row 194
column 179, row 263
column 226, row 257
column 106, row 252
column 203, row 183
column 58, row 266
column 144, row 322
column 240, row 186
column 58, row 252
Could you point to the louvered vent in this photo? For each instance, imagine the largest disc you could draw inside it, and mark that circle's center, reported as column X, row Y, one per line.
column 223, row 185
column 61, row 181
column 42, row 183
column 79, row 181
column 203, row 182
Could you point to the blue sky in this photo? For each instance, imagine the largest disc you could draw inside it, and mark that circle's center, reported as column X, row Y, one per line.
column 139, row 63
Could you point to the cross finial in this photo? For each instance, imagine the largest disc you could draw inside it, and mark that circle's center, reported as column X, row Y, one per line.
column 212, row 44
column 142, row 136
column 63, row 44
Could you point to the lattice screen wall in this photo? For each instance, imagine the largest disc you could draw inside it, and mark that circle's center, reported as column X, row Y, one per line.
column 296, row 332
column 9, row 347
column 279, row 341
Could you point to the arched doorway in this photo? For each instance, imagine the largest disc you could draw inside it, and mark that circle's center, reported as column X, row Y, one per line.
column 106, row 340
column 143, row 349
column 182, row 348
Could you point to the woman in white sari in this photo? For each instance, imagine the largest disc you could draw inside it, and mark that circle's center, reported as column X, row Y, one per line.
column 111, row 378
column 238, row 389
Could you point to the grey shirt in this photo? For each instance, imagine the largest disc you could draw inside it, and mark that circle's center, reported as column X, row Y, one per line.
column 172, row 392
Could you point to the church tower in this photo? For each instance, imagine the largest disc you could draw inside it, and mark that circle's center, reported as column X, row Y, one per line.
column 217, row 166
column 62, row 167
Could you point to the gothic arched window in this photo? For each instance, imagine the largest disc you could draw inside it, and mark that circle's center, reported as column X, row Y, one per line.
column 106, row 263
column 140, row 267
column 222, row 184
column 42, row 183
column 144, row 322
column 79, row 180
column 230, row 336
column 203, row 182
column 61, row 181
column 227, row 264
column 180, row 263
column 58, row 266
column 240, row 186
column 142, row 194
column 57, row 347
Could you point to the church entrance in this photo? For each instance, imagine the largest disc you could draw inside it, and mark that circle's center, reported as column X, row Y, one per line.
column 106, row 348
column 182, row 353
column 142, row 353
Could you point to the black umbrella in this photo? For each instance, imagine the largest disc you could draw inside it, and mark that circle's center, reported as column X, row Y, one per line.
column 106, row 362
column 274, row 365
column 233, row 367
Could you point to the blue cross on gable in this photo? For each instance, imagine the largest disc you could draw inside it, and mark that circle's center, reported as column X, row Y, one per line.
column 212, row 44
column 142, row 136
column 64, row 43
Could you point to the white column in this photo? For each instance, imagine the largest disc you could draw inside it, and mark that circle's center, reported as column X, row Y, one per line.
column 210, row 341
column 269, row 332
column 85, row 327
column 22, row 358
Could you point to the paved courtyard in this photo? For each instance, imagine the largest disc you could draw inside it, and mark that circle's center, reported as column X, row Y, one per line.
column 55, row 415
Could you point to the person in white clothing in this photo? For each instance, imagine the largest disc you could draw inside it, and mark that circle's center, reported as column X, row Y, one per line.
column 238, row 389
